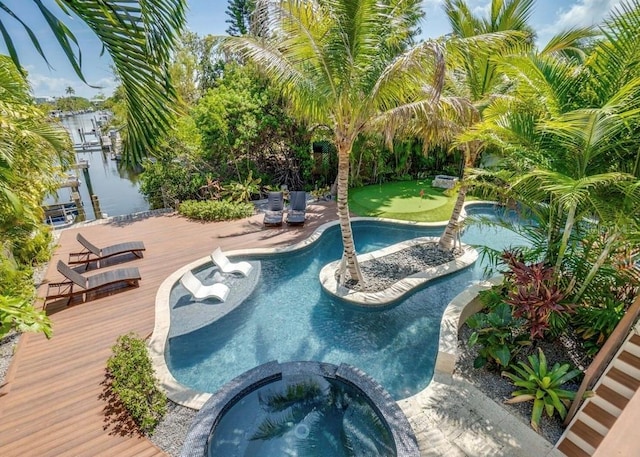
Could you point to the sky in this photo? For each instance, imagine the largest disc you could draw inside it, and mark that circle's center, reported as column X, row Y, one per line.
column 208, row 17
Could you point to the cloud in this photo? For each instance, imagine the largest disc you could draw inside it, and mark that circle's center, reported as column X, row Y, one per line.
column 585, row 13
column 52, row 86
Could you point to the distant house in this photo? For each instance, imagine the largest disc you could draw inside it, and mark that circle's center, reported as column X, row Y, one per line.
column 41, row 100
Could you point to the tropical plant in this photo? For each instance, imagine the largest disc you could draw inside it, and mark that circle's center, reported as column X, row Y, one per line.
column 533, row 293
column 131, row 377
column 595, row 322
column 566, row 134
column 139, row 37
column 19, row 314
column 242, row 191
column 32, row 148
column 497, row 333
column 345, row 64
column 543, row 385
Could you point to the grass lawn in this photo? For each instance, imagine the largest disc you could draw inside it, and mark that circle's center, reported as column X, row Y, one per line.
column 402, row 200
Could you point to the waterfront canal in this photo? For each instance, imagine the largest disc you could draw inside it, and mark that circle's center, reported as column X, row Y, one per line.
column 117, row 189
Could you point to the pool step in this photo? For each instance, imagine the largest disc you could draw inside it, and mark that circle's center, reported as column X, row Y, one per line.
column 611, row 395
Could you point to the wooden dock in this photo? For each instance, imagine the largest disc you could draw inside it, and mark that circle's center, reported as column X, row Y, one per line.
column 52, row 401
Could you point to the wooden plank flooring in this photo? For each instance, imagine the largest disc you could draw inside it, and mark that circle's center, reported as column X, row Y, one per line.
column 52, row 403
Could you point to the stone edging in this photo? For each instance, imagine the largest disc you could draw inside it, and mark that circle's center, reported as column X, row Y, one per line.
column 463, row 305
column 400, row 288
column 195, row 399
column 233, row 391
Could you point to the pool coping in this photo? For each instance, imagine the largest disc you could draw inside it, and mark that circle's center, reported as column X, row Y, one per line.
column 191, row 398
column 401, row 287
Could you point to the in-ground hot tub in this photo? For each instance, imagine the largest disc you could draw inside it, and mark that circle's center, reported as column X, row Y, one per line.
column 301, row 409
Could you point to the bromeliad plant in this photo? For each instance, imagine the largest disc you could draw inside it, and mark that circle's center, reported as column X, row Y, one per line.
column 542, row 385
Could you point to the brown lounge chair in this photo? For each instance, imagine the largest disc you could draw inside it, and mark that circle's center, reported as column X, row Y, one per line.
column 64, row 289
column 92, row 253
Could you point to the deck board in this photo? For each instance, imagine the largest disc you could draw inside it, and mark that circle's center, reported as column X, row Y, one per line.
column 53, row 404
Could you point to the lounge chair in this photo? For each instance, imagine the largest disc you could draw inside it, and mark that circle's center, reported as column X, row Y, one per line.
column 226, row 266
column 92, row 253
column 275, row 207
column 64, row 289
column 201, row 291
column 297, row 212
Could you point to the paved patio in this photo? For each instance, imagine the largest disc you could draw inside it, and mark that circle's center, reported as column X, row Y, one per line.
column 53, row 402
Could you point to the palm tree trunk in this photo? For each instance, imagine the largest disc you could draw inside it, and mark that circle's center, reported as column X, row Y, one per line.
column 596, row 266
column 450, row 235
column 349, row 260
column 568, row 227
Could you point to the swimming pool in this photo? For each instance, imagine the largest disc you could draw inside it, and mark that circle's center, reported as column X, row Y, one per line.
column 288, row 317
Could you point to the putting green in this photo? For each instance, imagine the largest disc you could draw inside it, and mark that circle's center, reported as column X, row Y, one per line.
column 404, row 200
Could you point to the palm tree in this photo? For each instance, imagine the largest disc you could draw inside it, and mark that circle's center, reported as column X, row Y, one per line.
column 344, row 64
column 475, row 51
column 29, row 148
column 70, row 91
column 565, row 130
column 139, row 36
column 472, row 49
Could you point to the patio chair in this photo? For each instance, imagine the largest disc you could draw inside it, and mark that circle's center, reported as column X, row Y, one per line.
column 226, row 266
column 92, row 253
column 199, row 291
column 275, row 206
column 297, row 212
column 103, row 280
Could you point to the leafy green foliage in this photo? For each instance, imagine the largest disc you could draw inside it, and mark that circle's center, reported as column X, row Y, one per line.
column 242, row 191
column 239, row 12
column 496, row 332
column 19, row 314
column 215, row 210
column 243, row 127
column 595, row 322
column 131, row 377
column 542, row 385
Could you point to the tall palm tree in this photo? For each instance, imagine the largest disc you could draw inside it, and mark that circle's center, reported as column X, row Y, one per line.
column 344, row 64
column 565, row 128
column 139, row 36
column 475, row 50
column 474, row 75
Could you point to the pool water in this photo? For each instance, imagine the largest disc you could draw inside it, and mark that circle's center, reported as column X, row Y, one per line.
column 304, row 414
column 289, row 317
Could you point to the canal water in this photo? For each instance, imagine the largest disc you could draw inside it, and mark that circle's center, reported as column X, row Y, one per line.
column 117, row 189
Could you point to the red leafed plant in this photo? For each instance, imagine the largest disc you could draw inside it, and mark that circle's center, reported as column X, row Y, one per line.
column 532, row 293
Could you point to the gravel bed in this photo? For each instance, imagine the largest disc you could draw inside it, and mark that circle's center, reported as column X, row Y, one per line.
column 7, row 348
column 169, row 435
column 383, row 272
column 499, row 388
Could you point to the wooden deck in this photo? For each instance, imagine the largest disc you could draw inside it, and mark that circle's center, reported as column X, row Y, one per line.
column 52, row 403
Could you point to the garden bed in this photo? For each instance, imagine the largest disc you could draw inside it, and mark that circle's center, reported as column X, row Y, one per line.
column 499, row 388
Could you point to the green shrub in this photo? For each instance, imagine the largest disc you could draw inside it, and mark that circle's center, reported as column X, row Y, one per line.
column 215, row 210
column 131, row 377
column 497, row 334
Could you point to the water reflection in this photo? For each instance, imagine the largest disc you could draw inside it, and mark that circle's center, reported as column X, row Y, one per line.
column 117, row 188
